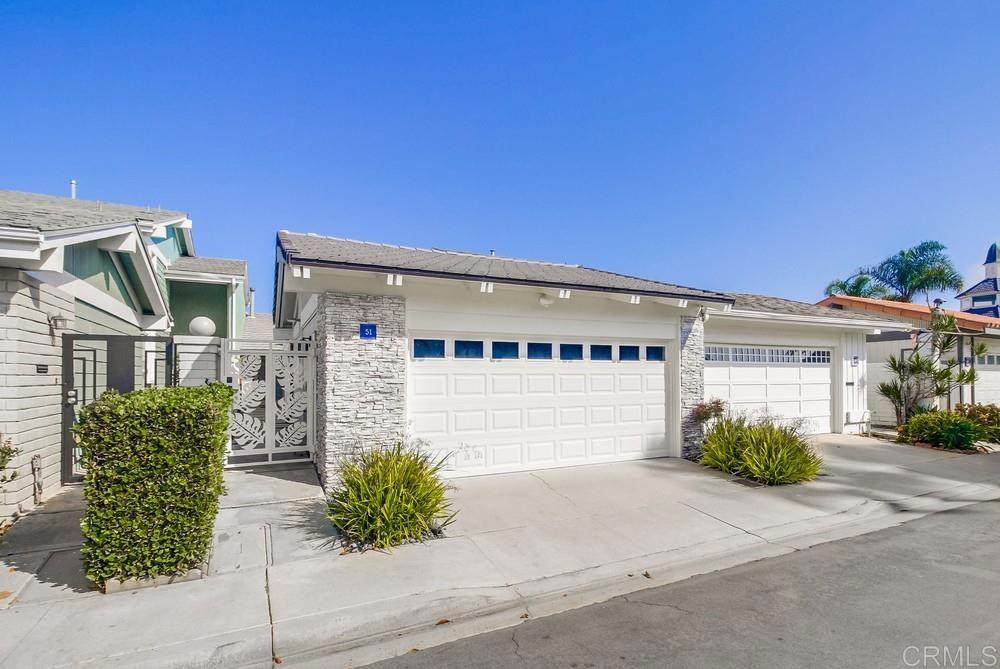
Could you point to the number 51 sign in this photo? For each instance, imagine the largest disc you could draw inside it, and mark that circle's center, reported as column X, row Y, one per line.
column 368, row 331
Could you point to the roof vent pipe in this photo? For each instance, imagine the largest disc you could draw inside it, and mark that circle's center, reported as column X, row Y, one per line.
column 253, row 293
column 72, row 189
column 492, row 252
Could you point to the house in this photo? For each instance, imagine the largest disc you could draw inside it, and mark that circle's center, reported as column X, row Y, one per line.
column 977, row 328
column 984, row 297
column 90, row 269
column 513, row 365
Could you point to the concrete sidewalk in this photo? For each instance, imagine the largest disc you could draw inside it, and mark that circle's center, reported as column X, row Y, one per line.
column 524, row 545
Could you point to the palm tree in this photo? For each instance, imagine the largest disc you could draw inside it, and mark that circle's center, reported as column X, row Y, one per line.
column 917, row 270
column 859, row 285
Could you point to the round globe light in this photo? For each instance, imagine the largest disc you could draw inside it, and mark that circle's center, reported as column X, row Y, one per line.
column 201, row 326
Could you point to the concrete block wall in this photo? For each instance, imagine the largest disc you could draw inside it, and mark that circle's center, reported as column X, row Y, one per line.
column 692, row 369
column 30, row 401
column 360, row 384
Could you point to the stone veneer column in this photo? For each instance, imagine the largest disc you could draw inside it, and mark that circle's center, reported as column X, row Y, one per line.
column 360, row 384
column 692, row 370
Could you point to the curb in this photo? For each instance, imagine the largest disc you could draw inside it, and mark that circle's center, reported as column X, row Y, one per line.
column 367, row 633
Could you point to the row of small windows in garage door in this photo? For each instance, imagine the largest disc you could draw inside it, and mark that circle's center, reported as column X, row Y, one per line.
column 512, row 350
column 768, row 355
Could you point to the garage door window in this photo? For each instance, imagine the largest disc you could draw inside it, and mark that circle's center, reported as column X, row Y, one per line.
column 571, row 351
column 428, row 348
column 600, row 351
column 784, row 356
column 654, row 353
column 628, row 353
column 505, row 350
column 468, row 349
column 717, row 353
column 816, row 357
column 539, row 351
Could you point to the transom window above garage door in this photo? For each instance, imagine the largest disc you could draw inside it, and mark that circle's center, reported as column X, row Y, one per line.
column 771, row 355
column 534, row 349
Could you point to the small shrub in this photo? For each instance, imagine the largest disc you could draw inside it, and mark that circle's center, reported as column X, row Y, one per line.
column 775, row 455
column 153, row 461
column 709, row 410
column 761, row 450
column 986, row 416
column 722, row 446
column 944, row 429
column 390, row 495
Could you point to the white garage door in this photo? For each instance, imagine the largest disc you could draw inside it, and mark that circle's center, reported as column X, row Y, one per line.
column 784, row 382
column 505, row 404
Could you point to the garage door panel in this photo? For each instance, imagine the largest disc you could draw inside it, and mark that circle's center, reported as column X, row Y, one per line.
column 469, row 385
column 816, row 373
column 430, row 385
column 795, row 385
column 630, row 444
column 748, row 374
column 745, row 392
column 779, row 374
column 518, row 414
column 505, row 384
column 602, row 383
column 572, row 384
column 541, row 418
column 430, row 423
column 541, row 384
column 717, row 392
column 469, row 421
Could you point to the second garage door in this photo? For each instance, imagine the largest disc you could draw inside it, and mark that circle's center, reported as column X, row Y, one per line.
column 786, row 382
column 504, row 404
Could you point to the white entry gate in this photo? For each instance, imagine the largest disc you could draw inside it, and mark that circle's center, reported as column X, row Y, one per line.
column 272, row 416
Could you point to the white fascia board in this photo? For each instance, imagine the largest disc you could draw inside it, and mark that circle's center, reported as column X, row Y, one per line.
column 84, row 292
column 21, row 243
column 821, row 321
column 204, row 277
column 69, row 238
column 148, row 228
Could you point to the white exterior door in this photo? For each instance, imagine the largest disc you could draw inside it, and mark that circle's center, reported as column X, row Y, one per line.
column 505, row 404
column 786, row 382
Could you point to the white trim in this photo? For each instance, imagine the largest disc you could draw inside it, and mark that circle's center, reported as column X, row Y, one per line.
column 84, row 292
column 822, row 321
column 20, row 243
column 117, row 262
column 70, row 237
column 202, row 277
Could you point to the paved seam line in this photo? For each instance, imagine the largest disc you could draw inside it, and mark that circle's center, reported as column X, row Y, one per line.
column 549, row 486
column 268, row 563
column 737, row 527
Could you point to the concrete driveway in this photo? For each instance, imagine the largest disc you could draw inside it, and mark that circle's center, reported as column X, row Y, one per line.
column 523, row 546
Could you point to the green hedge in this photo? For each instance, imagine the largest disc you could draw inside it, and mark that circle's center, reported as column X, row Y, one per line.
column 944, row 429
column 153, row 461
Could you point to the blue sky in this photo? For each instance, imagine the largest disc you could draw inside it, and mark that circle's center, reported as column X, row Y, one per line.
column 763, row 146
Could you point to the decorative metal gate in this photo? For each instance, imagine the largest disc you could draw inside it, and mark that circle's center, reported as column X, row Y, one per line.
column 92, row 364
column 272, row 417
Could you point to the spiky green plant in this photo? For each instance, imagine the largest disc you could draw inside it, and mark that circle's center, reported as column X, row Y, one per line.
column 775, row 455
column 761, row 450
column 389, row 495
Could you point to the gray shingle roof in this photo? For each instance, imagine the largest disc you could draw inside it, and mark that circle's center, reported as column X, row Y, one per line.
column 984, row 286
column 48, row 213
column 351, row 254
column 209, row 265
column 259, row 327
column 779, row 305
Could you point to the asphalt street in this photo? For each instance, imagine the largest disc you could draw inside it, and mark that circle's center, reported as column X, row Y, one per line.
column 924, row 594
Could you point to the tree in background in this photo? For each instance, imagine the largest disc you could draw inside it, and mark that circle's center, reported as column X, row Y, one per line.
column 926, row 373
column 917, row 271
column 859, row 285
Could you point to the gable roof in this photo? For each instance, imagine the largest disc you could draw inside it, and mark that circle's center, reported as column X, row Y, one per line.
column 351, row 254
column 49, row 213
column 780, row 305
column 908, row 310
column 984, row 286
column 209, row 265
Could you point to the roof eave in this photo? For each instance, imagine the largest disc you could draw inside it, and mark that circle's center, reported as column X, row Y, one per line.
column 826, row 321
column 317, row 262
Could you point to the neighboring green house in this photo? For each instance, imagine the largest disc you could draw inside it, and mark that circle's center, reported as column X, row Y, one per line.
column 71, row 266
